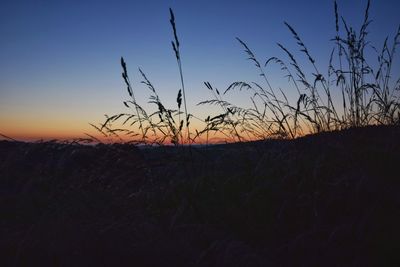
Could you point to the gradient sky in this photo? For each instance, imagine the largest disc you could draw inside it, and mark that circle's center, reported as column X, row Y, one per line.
column 59, row 60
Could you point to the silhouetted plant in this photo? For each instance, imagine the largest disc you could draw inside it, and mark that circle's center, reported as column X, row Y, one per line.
column 368, row 95
column 168, row 128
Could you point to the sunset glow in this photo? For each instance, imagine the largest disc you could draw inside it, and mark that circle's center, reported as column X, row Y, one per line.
column 60, row 69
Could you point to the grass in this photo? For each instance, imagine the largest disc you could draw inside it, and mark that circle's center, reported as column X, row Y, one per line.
column 170, row 126
column 282, row 200
column 370, row 95
column 327, row 199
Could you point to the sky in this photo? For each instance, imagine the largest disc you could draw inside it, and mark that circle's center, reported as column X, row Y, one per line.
column 60, row 60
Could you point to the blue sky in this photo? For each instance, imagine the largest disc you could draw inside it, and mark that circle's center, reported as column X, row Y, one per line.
column 59, row 60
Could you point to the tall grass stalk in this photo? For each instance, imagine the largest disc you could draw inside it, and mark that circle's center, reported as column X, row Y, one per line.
column 176, row 48
column 131, row 93
column 368, row 94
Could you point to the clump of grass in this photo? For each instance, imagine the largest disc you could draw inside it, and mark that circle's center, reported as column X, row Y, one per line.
column 170, row 125
column 370, row 97
column 368, row 94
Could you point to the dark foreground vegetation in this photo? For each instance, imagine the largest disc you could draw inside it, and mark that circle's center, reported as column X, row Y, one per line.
column 330, row 199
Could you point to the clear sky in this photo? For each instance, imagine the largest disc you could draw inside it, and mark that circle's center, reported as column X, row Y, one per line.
column 59, row 60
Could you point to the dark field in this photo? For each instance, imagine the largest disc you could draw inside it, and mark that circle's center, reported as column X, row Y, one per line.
column 330, row 199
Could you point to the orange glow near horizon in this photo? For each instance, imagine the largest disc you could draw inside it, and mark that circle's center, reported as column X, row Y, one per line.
column 62, row 134
column 62, row 130
column 51, row 128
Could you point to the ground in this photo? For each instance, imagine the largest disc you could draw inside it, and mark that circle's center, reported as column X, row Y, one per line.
column 330, row 199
